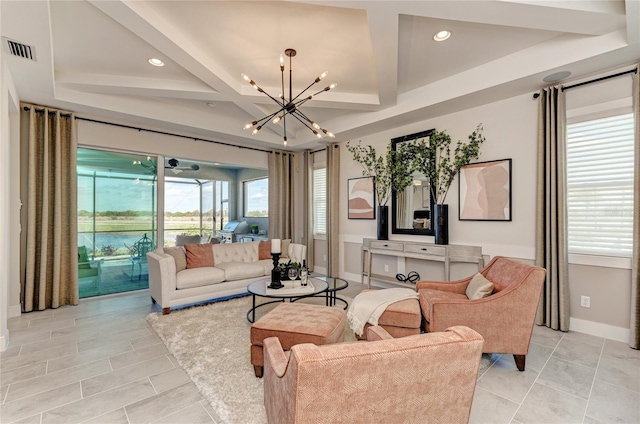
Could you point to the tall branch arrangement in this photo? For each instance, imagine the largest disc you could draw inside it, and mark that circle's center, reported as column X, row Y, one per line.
column 391, row 171
column 433, row 159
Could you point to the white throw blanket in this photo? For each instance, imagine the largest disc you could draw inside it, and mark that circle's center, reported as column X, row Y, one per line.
column 368, row 306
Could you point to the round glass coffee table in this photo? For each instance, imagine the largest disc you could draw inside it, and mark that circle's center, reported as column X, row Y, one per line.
column 259, row 288
column 334, row 284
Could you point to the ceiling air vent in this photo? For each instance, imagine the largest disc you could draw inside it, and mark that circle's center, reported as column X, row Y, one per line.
column 16, row 48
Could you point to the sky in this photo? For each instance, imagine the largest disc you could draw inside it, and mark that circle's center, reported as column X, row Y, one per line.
column 126, row 194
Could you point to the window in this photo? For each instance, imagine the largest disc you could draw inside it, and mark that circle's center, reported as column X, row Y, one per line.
column 320, row 201
column 600, row 186
column 221, row 217
column 188, row 208
column 256, row 197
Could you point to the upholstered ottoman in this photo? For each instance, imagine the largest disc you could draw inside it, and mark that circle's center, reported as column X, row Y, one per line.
column 295, row 323
column 400, row 319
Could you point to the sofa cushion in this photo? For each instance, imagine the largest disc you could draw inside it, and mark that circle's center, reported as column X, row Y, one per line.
column 241, row 270
column 267, row 264
column 197, row 277
column 264, row 250
column 199, row 255
column 479, row 287
column 429, row 296
column 296, row 252
column 179, row 257
column 235, row 252
column 284, row 251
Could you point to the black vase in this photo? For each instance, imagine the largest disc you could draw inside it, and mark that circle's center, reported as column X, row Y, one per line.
column 383, row 222
column 441, row 224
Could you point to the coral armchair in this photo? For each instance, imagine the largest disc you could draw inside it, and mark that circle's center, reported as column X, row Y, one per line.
column 419, row 378
column 505, row 318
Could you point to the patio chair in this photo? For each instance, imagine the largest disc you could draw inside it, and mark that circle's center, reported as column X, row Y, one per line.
column 88, row 268
column 139, row 254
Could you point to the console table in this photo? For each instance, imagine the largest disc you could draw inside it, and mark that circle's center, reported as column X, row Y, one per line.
column 445, row 253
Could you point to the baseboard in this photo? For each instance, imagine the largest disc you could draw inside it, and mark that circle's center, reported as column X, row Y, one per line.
column 15, row 311
column 350, row 276
column 319, row 270
column 600, row 330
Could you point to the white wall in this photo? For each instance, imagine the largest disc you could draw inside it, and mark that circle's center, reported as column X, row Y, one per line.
column 8, row 257
column 510, row 127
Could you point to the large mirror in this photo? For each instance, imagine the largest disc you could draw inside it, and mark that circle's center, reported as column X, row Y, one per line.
column 411, row 208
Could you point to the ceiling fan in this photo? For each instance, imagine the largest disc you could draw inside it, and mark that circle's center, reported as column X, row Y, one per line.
column 173, row 165
column 176, row 169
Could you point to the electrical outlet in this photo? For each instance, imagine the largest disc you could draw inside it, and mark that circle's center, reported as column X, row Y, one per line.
column 585, row 301
column 325, row 258
column 386, row 268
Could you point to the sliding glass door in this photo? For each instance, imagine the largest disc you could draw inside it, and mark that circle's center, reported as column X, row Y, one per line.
column 117, row 220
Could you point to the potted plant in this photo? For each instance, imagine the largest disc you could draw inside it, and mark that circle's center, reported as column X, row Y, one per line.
column 433, row 159
column 390, row 172
column 254, row 229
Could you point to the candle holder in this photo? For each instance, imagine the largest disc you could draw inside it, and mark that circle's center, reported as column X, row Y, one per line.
column 275, row 272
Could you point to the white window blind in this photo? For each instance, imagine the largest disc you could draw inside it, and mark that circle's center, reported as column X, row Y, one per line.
column 600, row 186
column 320, row 201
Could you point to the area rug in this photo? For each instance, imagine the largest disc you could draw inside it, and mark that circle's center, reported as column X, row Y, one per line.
column 211, row 343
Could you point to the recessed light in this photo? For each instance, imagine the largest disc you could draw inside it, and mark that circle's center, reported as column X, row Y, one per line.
column 557, row 76
column 211, row 104
column 156, row 62
column 442, row 35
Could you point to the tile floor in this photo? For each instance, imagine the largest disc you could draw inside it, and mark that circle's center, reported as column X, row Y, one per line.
column 99, row 362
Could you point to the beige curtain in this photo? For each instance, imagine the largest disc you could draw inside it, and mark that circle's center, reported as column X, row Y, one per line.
column 51, row 278
column 634, row 338
column 308, row 207
column 551, row 210
column 280, row 194
column 333, row 201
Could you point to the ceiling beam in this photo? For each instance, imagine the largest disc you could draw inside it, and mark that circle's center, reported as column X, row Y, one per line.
column 383, row 30
column 142, row 20
column 577, row 16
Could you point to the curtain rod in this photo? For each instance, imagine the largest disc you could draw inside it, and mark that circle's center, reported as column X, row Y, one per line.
column 51, row 112
column 27, row 108
column 569, row 87
column 322, row 150
column 172, row 134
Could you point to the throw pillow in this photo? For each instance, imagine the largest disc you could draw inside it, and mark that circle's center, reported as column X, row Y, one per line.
column 479, row 287
column 178, row 256
column 285, row 248
column 199, row 255
column 264, row 250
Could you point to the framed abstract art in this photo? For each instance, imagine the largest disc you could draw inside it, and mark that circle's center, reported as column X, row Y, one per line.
column 485, row 191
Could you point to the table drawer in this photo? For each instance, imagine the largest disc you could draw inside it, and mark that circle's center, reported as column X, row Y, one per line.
column 427, row 249
column 387, row 245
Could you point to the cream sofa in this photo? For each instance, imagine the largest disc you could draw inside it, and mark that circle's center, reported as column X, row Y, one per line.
column 235, row 266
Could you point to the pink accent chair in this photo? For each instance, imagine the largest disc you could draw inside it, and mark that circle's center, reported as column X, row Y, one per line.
column 505, row 318
column 419, row 378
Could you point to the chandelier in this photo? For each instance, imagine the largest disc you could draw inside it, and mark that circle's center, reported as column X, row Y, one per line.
column 290, row 106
